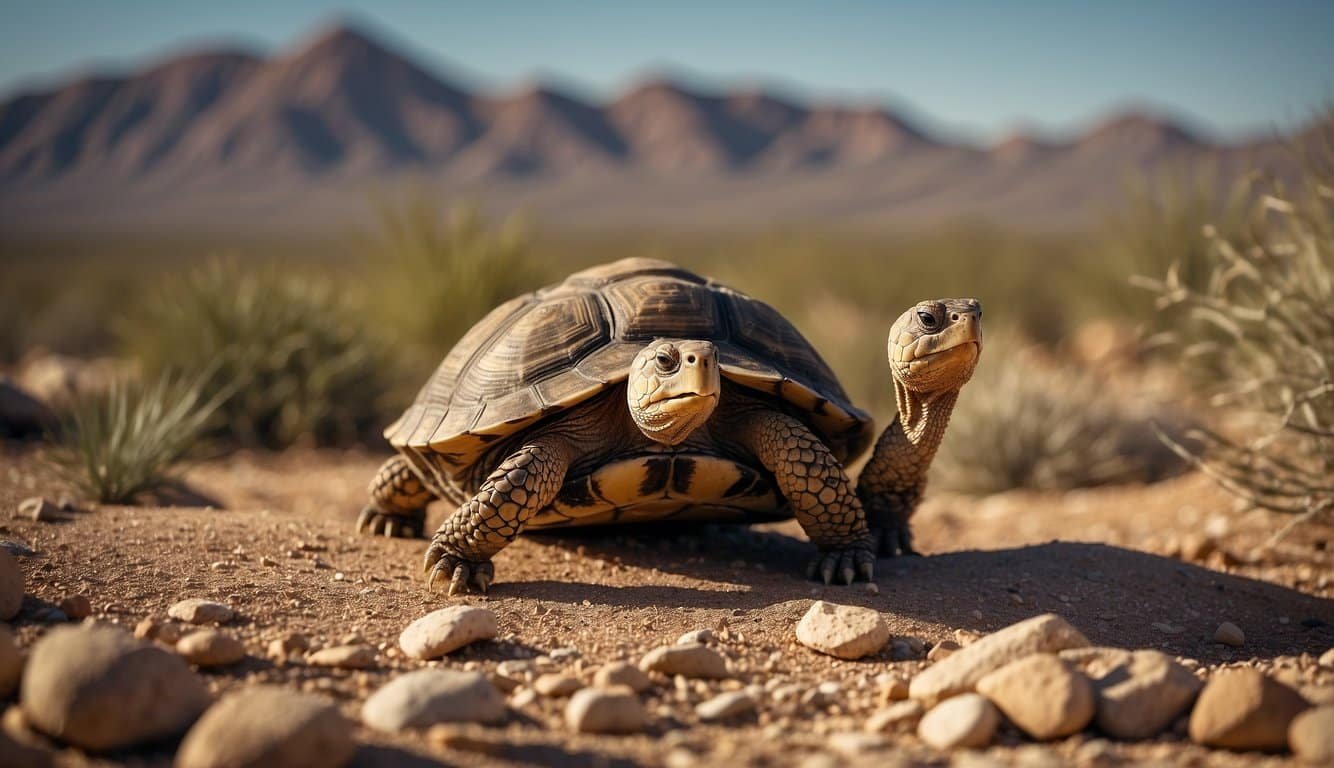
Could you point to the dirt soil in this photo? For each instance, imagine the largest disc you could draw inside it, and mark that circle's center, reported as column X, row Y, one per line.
column 271, row 534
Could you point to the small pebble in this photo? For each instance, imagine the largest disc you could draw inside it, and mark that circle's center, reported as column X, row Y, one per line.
column 77, row 607
column 967, row 720
column 198, row 611
column 725, row 706
column 1230, row 634
column 210, row 648
column 556, row 685
column 344, row 657
column 605, row 710
column 622, row 673
column 447, row 630
column 693, row 661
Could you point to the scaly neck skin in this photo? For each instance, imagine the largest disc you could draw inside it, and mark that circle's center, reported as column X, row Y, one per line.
column 923, row 417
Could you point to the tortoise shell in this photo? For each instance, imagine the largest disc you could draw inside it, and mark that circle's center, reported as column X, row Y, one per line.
column 548, row 351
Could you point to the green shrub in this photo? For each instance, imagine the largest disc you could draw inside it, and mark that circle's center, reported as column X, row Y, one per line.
column 296, row 365
column 118, row 443
column 430, row 277
column 1256, row 331
column 1029, row 421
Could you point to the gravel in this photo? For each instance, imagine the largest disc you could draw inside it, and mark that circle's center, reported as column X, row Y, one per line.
column 11, row 586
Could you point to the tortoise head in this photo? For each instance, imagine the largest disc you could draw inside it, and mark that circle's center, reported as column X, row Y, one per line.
column 673, row 388
column 935, row 345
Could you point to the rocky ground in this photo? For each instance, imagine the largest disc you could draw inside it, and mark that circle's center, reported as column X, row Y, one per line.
column 291, row 596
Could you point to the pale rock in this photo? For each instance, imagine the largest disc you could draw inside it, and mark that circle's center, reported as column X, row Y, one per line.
column 268, row 726
column 621, row 673
column 1140, row 694
column 343, row 657
column 447, row 630
column 195, row 610
column 842, row 631
column 210, row 648
column 960, row 672
column 1047, row 698
column 852, row 745
column 966, row 720
column 98, row 688
column 605, row 710
column 556, row 685
column 39, row 509
column 1311, row 736
column 1242, row 709
column 1326, row 659
column 694, row 661
column 696, row 637
column 426, row 697
column 725, row 706
column 899, row 716
column 942, row 650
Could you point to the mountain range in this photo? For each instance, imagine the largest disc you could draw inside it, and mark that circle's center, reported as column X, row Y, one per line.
column 221, row 140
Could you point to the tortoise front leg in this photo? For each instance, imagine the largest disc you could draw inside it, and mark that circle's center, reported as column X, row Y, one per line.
column 522, row 485
column 819, row 491
column 398, row 501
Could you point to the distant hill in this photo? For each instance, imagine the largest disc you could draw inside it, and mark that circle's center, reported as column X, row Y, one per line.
column 228, row 141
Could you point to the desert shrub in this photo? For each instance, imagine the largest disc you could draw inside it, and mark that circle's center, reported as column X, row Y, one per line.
column 1027, row 420
column 431, row 276
column 294, row 362
column 117, row 443
column 1256, row 333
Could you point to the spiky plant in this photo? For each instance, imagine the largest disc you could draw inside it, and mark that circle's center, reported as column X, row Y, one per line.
column 295, row 364
column 431, row 276
column 118, row 443
column 1029, row 421
column 1257, row 332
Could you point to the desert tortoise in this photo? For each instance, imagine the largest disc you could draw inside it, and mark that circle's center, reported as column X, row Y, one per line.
column 596, row 401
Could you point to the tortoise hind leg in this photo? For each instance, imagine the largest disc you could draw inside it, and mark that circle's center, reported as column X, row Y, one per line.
column 398, row 501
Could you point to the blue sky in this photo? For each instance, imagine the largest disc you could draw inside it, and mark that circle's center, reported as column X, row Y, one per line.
column 977, row 69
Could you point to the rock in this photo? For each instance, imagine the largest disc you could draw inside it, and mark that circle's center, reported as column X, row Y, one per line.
column 98, row 688
column 942, row 650
column 11, row 586
column 957, row 674
column 967, row 720
column 1311, row 736
column 428, row 696
column 686, row 660
column 1230, row 634
column 696, row 637
column 556, row 685
column 725, row 706
column 40, row 509
column 899, row 716
column 21, row 414
column 344, row 657
column 77, row 607
column 11, row 662
column 842, row 631
column 210, row 648
column 1046, row 697
column 290, row 644
column 622, row 673
column 464, row 738
column 605, row 710
column 892, row 687
column 268, row 726
column 1139, row 694
column 447, row 630
column 1242, row 709
column 853, row 745
column 198, row 611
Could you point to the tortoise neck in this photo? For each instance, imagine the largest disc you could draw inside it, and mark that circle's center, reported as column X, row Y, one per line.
column 923, row 417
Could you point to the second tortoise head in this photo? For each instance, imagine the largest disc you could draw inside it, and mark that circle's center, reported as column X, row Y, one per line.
column 935, row 345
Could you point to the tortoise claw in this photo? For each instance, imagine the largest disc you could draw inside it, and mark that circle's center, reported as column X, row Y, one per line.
column 463, row 574
column 848, row 565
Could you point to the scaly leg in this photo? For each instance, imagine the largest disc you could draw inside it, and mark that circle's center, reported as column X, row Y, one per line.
column 819, row 491
column 523, row 484
column 890, row 486
column 398, row 501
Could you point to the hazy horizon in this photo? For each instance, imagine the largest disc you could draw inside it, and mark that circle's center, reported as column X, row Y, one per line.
column 1226, row 70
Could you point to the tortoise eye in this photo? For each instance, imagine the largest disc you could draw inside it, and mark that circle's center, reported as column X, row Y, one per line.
column 666, row 362
column 928, row 319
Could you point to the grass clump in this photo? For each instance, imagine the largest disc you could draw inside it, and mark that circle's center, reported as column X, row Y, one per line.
column 1256, row 333
column 292, row 363
column 123, row 441
column 431, row 277
column 1027, row 420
